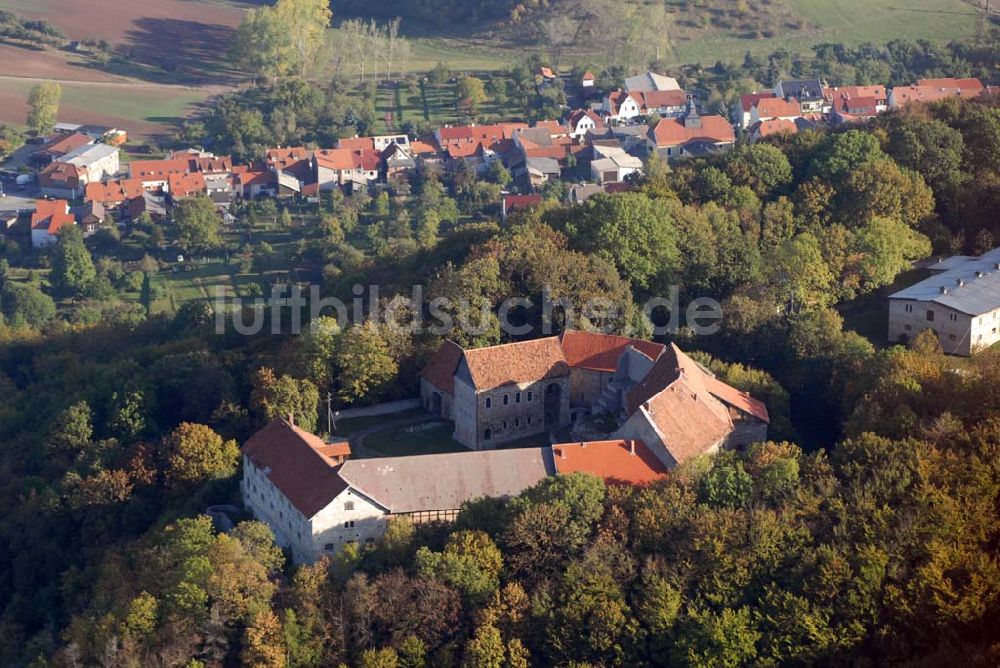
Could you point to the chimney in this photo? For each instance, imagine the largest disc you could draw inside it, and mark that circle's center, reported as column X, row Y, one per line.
column 959, row 282
column 944, row 290
column 562, row 453
column 631, row 447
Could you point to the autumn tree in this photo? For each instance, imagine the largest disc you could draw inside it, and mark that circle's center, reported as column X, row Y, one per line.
column 198, row 454
column 363, row 363
column 282, row 396
column 197, row 223
column 43, row 107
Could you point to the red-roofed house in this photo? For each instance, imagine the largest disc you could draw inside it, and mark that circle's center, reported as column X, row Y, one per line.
column 340, row 166
column 511, row 203
column 113, row 193
column 775, row 107
column 932, row 90
column 62, row 179
column 155, row 174
column 617, row 462
column 746, row 103
column 185, row 185
column 621, row 106
column 49, row 217
column 583, row 121
column 771, row 127
column 587, row 80
column 968, row 84
column 689, row 136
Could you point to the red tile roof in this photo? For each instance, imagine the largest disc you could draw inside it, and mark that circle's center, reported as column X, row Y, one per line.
column 655, row 99
column 851, row 92
column 440, row 368
column 339, row 159
column 672, row 132
column 580, row 114
column 968, row 84
column 185, row 185
column 555, row 128
column 294, row 461
column 65, row 144
column 778, row 108
column 737, row 398
column 420, row 147
column 515, row 202
column 357, row 143
column 689, row 420
column 280, row 158
column 334, row 451
column 749, row 99
column 673, row 366
column 61, row 175
column 158, row 170
column 521, row 362
column 51, row 215
column 600, row 352
column 587, row 76
column 113, row 192
column 617, row 462
column 773, row 126
column 907, row 94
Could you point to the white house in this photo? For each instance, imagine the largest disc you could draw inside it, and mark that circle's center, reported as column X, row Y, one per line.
column 960, row 303
column 621, row 106
column 315, row 502
column 49, row 217
column 612, row 164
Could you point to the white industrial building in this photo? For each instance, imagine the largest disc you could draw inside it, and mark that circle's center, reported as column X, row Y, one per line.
column 960, row 303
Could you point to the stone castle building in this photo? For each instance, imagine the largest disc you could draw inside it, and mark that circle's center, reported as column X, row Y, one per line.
column 655, row 393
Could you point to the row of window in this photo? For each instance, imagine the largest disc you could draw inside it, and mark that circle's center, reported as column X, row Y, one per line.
column 506, row 398
column 488, row 433
column 930, row 314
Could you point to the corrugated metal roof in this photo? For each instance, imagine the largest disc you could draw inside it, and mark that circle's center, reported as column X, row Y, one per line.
column 967, row 284
column 446, row 481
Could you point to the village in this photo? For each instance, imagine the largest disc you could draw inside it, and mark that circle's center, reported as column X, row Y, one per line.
column 77, row 175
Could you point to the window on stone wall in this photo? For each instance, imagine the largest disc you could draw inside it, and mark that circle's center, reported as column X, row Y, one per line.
column 517, row 397
column 489, row 402
column 349, row 505
column 909, row 308
column 349, row 524
column 506, row 399
column 488, row 434
column 517, row 422
column 504, row 425
column 953, row 317
column 930, row 316
column 328, row 547
column 530, row 395
column 529, row 419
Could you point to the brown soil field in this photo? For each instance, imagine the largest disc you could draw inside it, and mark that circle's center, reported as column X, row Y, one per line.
column 165, row 41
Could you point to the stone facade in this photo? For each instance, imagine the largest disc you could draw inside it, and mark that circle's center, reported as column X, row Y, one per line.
column 487, row 418
column 435, row 400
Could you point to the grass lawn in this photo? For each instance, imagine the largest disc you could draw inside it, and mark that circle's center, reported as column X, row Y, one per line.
column 349, row 426
column 143, row 111
column 424, row 439
column 850, row 22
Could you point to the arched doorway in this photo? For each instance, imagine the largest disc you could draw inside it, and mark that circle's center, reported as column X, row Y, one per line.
column 553, row 405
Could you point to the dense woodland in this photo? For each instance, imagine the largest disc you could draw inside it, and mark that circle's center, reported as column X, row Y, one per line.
column 867, row 532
